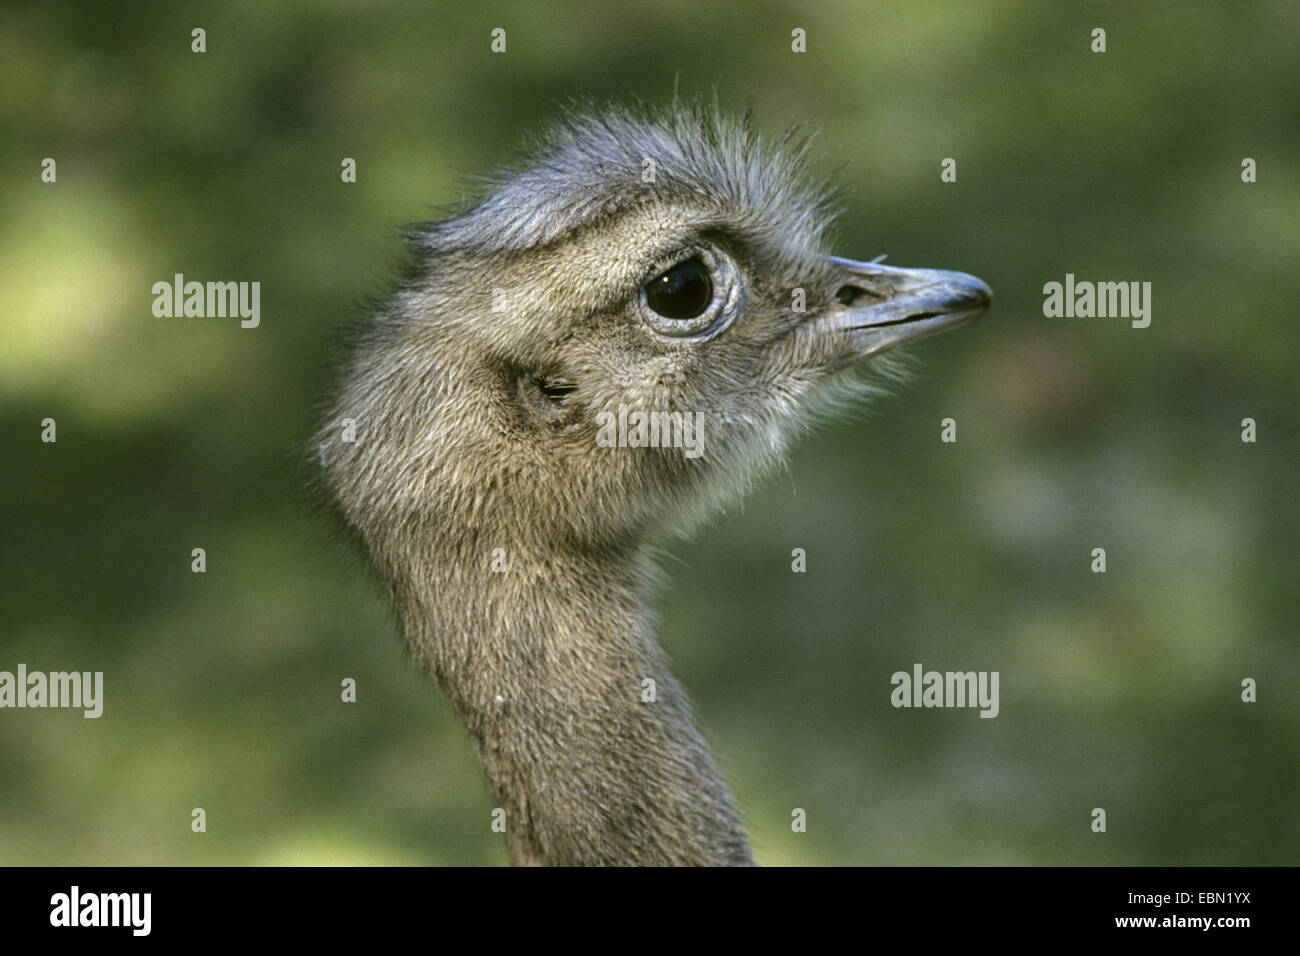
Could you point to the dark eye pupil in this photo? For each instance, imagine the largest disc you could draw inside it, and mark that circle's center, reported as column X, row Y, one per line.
column 683, row 292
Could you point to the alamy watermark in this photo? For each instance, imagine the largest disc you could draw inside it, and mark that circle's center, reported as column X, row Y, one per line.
column 633, row 428
column 213, row 300
column 1102, row 300
column 922, row 688
column 76, row 689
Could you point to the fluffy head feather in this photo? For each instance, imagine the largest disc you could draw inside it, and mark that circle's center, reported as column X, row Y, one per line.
column 534, row 290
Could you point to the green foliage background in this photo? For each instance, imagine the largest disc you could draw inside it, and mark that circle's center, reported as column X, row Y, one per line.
column 1118, row 690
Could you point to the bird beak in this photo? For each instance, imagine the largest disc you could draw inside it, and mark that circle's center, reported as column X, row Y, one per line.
column 883, row 307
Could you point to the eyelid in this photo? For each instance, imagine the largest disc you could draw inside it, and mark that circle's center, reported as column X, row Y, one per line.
column 671, row 260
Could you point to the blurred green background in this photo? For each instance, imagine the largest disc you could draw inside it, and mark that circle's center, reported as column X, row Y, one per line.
column 222, row 689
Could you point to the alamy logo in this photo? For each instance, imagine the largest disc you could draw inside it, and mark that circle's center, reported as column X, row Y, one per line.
column 75, row 908
column 55, row 689
column 214, row 300
column 923, row 688
column 1102, row 300
column 658, row 429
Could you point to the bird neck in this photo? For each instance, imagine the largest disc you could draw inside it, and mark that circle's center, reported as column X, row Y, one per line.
column 586, row 737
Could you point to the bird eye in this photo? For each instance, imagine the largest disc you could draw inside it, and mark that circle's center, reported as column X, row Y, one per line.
column 682, row 292
column 695, row 296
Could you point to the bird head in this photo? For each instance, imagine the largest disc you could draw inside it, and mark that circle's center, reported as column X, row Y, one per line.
column 625, row 329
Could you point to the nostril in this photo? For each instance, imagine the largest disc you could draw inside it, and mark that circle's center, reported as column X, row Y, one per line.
column 851, row 295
